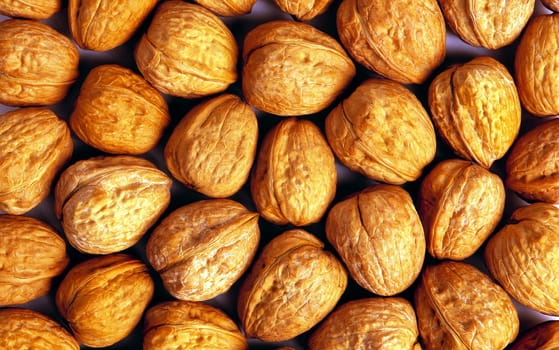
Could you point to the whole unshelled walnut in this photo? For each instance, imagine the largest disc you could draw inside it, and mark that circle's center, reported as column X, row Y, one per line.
column 553, row 5
column 37, row 64
column 401, row 42
column 32, row 9
column 544, row 336
column 228, row 7
column 292, row 69
column 304, row 10
column 476, row 109
column 292, row 286
column 187, row 51
column 382, row 131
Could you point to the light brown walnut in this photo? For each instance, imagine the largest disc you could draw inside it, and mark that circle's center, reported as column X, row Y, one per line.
column 32, row 9
column 544, row 336
column 228, row 7
column 304, row 10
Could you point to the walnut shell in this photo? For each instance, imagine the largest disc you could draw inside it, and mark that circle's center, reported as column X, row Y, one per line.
column 28, row 329
column 102, row 25
column 536, row 66
column 292, row 286
column 523, row 257
column 33, row 9
column 460, row 205
column 202, row 248
column 292, row 69
column 37, row 64
column 379, row 237
column 213, row 147
column 553, row 5
column 94, row 200
column 304, row 10
column 491, row 25
column 372, row 323
column 189, row 326
column 294, row 179
column 382, row 131
column 459, row 307
column 34, row 145
column 103, row 298
column 476, row 109
column 401, row 42
column 544, row 336
column 187, row 51
column 118, row 112
column 228, row 7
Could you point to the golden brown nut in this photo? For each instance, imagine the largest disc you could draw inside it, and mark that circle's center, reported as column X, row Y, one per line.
column 103, row 298
column 190, row 326
column 523, row 257
column 292, row 69
column 304, row 10
column 382, row 131
column 101, row 25
column 379, row 237
column 33, row 9
column 34, row 145
column 372, row 323
column 460, row 204
column 37, row 64
column 213, row 147
column 294, row 179
column 228, row 7
column 202, row 248
column 292, row 286
column 491, row 25
column 544, row 336
column 187, row 51
column 401, row 42
column 553, row 5
column 476, row 109
column 106, row 204
column 536, row 66
column 459, row 307
column 28, row 329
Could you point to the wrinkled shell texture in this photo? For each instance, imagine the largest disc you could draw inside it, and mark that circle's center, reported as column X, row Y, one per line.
column 292, row 286
column 95, row 199
column 487, row 23
column 294, row 179
column 383, row 132
column 379, row 237
column 459, row 307
column 304, row 10
column 227, row 7
column 28, row 329
column 187, row 51
column 544, row 336
column 190, row 326
column 118, row 112
column 460, row 204
column 32, row 9
column 551, row 4
column 389, row 37
column 37, row 64
column 523, row 256
column 34, row 145
column 103, row 298
column 213, row 147
column 201, row 249
column 536, row 66
column 476, row 109
column 292, row 69
column 372, row 323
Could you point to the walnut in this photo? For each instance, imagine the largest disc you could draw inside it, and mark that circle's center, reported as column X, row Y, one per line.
column 32, row 9
column 544, row 336
column 228, row 7
column 304, row 10
column 382, row 131
column 292, row 286
column 292, row 69
column 553, row 5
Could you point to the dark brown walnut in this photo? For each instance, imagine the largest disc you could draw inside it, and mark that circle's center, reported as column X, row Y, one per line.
column 202, row 248
column 32, row 9
column 304, row 10
column 106, row 204
column 37, row 64
column 379, row 237
column 228, row 7
column 187, row 51
column 476, row 109
column 213, row 147
column 34, row 146
column 544, row 336
column 190, row 326
column 294, row 179
column 292, row 69
column 523, row 257
column 553, row 5
column 460, row 204
column 28, row 329
column 104, row 298
column 118, row 112
column 459, row 307
column 292, row 286
column 400, row 42
column 383, row 132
